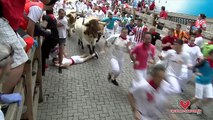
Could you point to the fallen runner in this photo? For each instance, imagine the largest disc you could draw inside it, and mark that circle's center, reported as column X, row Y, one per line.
column 77, row 59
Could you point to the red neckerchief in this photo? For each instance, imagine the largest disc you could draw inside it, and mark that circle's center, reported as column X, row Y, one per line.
column 124, row 38
column 151, row 82
column 199, row 35
column 154, row 33
column 150, row 96
column 210, row 42
column 191, row 45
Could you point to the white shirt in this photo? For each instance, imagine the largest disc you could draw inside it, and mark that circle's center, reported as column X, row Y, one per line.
column 89, row 12
column 62, row 31
column 120, row 47
column 199, row 41
column 99, row 14
column 194, row 53
column 66, row 61
column 35, row 13
column 80, row 7
column 173, row 67
column 151, row 108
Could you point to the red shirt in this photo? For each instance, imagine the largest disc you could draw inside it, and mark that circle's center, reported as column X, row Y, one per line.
column 210, row 42
column 142, row 54
column 163, row 15
column 210, row 62
column 166, row 40
column 104, row 9
column 152, row 6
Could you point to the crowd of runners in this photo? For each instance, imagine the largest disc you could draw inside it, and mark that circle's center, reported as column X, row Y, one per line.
column 163, row 64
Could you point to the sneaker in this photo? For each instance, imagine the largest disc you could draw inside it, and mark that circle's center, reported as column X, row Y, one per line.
column 109, row 77
column 59, row 69
column 201, row 112
column 96, row 55
column 115, row 82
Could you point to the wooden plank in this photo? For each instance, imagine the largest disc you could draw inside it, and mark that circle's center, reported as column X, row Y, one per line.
column 34, row 68
column 14, row 109
column 29, row 87
column 39, row 71
column 36, row 101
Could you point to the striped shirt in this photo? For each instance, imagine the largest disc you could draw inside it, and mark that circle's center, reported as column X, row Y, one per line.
column 138, row 32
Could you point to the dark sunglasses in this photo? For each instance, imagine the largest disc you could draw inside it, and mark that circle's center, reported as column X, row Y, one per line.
column 11, row 54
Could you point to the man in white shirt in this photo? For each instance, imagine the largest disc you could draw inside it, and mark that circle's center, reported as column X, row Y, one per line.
column 199, row 39
column 62, row 32
column 99, row 13
column 176, row 58
column 150, row 98
column 195, row 56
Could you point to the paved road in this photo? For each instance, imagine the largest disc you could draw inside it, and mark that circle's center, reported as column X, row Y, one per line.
column 82, row 92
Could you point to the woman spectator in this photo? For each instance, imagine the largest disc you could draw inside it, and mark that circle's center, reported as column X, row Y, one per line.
column 163, row 13
column 201, row 22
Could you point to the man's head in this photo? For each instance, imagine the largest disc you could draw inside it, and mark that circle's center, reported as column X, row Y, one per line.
column 139, row 22
column 198, row 31
column 202, row 16
column 152, row 30
column 163, row 8
column 110, row 14
column 171, row 32
column 123, row 14
column 124, row 32
column 132, row 21
column 178, row 27
column 61, row 13
column 147, row 38
column 192, row 39
column 5, row 60
column 178, row 44
column 158, row 74
column 48, row 4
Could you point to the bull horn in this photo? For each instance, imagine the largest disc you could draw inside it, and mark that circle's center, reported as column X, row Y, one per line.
column 103, row 23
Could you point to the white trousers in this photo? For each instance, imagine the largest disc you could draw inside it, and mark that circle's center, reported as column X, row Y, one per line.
column 108, row 32
column 174, row 81
column 141, row 75
column 116, row 65
column 185, row 76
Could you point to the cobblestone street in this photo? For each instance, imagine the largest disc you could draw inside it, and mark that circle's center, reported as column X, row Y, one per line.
column 82, row 92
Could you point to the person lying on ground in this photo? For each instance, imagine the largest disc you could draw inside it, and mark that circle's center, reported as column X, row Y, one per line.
column 76, row 59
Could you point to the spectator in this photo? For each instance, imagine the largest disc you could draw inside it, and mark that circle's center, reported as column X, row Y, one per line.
column 199, row 39
column 99, row 13
column 13, row 13
column 201, row 22
column 50, row 41
column 5, row 66
column 155, row 35
column 34, row 12
column 138, row 32
column 152, row 6
column 180, row 34
column 62, row 29
column 168, row 41
column 130, row 26
column 163, row 13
